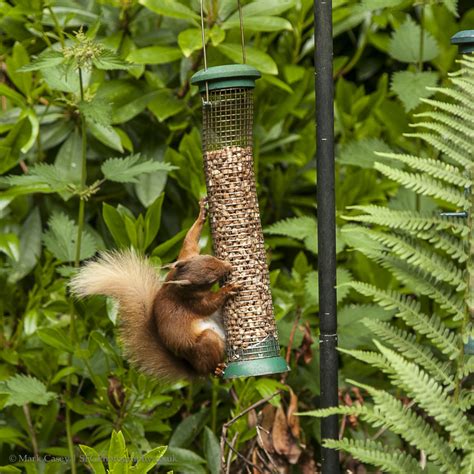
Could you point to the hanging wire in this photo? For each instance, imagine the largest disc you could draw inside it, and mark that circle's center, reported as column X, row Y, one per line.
column 203, row 34
column 242, row 37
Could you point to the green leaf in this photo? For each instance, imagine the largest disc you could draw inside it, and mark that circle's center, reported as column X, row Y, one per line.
column 61, row 239
column 126, row 170
column 171, row 8
column 300, row 228
column 165, row 104
column 190, row 40
column 115, row 223
column 150, row 186
column 69, row 159
column 19, row 58
column 12, row 95
column 411, row 87
column 256, row 58
column 149, row 460
column 109, row 60
column 117, row 454
column 212, row 451
column 25, row 389
column 48, row 59
column 91, row 457
column 155, row 55
column 97, row 110
column 188, row 429
column 106, row 134
column 153, row 220
column 405, row 43
column 259, row 23
column 259, row 7
column 9, row 245
column 30, row 247
column 370, row 5
column 361, row 153
column 54, row 337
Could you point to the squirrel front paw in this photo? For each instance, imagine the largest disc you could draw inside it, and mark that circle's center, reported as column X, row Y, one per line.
column 203, row 209
column 231, row 288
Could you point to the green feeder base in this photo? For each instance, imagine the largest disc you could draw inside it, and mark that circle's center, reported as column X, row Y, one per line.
column 249, row 368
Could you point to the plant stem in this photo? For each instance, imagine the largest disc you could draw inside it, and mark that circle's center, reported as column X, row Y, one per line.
column 57, row 25
column 80, row 218
column 31, row 430
column 422, row 38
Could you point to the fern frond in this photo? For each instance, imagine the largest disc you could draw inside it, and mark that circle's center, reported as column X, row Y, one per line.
column 467, row 466
column 466, row 84
column 444, row 339
column 369, row 357
column 447, row 134
column 448, row 121
column 452, row 152
column 418, row 280
column 453, row 246
column 435, row 168
column 408, row 345
column 424, row 185
column 457, row 110
column 466, row 400
column 408, row 220
column 458, row 96
column 400, row 419
column 432, row 397
column 416, row 255
column 372, row 452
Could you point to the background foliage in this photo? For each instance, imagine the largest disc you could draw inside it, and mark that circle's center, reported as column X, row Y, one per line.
column 100, row 148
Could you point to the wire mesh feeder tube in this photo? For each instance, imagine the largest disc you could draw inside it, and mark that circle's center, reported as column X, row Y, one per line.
column 252, row 339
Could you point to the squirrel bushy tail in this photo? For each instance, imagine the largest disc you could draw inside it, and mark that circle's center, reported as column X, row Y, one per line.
column 134, row 283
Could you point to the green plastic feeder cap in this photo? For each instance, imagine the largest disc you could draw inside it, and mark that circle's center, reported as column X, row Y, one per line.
column 464, row 40
column 249, row 368
column 225, row 77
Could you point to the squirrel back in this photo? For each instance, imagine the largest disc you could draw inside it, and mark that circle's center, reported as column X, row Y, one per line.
column 134, row 283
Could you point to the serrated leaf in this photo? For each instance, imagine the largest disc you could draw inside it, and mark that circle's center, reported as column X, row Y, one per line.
column 60, row 239
column 97, row 110
column 109, row 60
column 127, row 170
column 411, row 87
column 405, row 43
column 361, row 153
column 25, row 389
column 48, row 59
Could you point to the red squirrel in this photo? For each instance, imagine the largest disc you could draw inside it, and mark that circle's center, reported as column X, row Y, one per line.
column 169, row 329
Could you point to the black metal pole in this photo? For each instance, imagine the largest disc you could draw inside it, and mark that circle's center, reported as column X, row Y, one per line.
column 323, row 53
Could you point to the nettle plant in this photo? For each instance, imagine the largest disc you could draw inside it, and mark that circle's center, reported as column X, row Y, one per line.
column 431, row 255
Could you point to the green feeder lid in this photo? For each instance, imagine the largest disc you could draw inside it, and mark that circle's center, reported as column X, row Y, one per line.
column 227, row 76
column 249, row 368
column 464, row 40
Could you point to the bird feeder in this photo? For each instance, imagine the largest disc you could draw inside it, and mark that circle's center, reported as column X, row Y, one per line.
column 464, row 40
column 227, row 136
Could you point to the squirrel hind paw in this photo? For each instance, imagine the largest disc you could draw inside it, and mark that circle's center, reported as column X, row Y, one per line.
column 220, row 369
